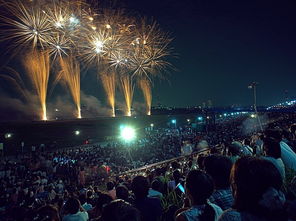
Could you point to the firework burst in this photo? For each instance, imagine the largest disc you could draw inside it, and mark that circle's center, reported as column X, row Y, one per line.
column 26, row 25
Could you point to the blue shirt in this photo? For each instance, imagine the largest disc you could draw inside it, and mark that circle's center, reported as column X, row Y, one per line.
column 222, row 198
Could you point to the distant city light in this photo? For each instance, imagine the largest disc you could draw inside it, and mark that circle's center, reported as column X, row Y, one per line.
column 199, row 118
column 174, row 121
column 151, row 125
column 225, row 115
column 188, row 120
column 253, row 115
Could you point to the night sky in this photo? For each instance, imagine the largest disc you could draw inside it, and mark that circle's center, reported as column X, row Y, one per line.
column 220, row 47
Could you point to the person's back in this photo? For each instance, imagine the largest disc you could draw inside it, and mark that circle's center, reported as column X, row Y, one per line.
column 150, row 208
column 199, row 187
column 119, row 210
column 218, row 167
column 194, row 212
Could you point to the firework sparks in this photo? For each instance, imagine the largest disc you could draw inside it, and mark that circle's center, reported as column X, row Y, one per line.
column 37, row 66
column 108, row 79
column 127, row 87
column 70, row 74
column 26, row 25
column 145, row 86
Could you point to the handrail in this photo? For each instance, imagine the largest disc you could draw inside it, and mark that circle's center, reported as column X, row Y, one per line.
column 167, row 161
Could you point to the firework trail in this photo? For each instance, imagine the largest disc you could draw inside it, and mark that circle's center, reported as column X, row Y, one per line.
column 37, row 66
column 70, row 75
column 145, row 86
column 109, row 84
column 127, row 87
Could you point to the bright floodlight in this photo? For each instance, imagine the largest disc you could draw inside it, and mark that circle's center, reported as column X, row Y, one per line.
column 8, row 135
column 253, row 115
column 77, row 132
column 174, row 121
column 128, row 133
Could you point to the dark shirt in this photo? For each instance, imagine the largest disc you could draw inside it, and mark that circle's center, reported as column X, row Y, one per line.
column 149, row 207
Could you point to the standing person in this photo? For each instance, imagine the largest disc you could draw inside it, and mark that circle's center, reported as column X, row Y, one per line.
column 199, row 187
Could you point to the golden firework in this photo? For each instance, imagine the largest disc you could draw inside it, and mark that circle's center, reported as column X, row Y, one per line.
column 127, row 87
column 70, row 74
column 26, row 25
column 37, row 66
column 145, row 86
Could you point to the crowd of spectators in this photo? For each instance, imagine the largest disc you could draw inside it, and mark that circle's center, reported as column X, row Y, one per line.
column 238, row 177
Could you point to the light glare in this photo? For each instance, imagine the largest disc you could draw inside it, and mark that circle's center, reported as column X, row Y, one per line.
column 128, row 133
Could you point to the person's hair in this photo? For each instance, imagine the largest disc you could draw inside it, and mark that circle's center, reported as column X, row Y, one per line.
column 140, row 187
column 272, row 147
column 247, row 141
column 293, row 128
column 199, row 186
column 102, row 200
column 82, row 198
column 235, row 148
column 122, row 192
column 47, row 213
column 274, row 133
column 119, row 210
column 158, row 171
column 250, row 178
column 89, row 194
column 218, row 167
column 110, row 185
column 175, row 165
column 200, row 161
column 177, row 175
column 72, row 206
column 156, row 185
